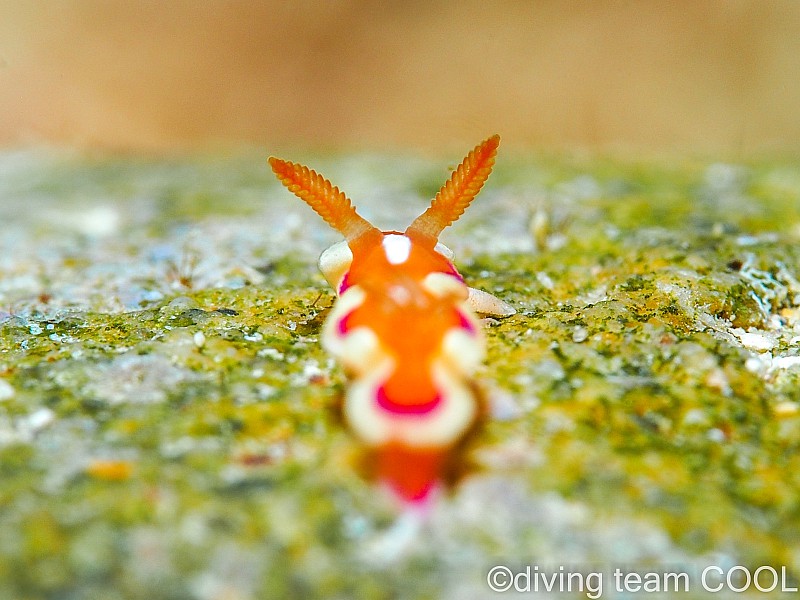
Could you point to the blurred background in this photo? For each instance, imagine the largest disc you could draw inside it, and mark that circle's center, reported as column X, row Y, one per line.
column 711, row 76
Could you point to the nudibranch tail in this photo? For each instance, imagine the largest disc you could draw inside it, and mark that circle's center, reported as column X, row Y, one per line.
column 413, row 474
column 452, row 200
column 321, row 195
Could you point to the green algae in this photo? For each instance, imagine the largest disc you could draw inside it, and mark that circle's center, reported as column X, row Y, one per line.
column 649, row 377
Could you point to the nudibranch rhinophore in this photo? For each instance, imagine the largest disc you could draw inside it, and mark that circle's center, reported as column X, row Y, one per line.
column 404, row 327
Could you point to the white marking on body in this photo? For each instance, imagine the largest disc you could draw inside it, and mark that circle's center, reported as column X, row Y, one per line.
column 444, row 285
column 397, row 248
column 462, row 352
column 442, row 426
column 335, row 262
column 399, row 294
column 351, row 299
column 358, row 349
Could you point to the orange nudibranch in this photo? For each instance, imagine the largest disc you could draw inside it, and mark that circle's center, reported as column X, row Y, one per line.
column 404, row 326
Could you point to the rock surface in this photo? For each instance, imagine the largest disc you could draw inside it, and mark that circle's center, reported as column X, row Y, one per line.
column 166, row 414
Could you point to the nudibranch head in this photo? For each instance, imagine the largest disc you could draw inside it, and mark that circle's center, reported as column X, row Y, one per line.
column 402, row 327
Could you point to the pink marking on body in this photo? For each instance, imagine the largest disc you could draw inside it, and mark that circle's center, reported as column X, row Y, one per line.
column 452, row 271
column 465, row 323
column 343, row 326
column 418, row 496
column 390, row 405
column 344, row 284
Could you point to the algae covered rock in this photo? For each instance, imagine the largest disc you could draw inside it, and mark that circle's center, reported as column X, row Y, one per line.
column 168, row 424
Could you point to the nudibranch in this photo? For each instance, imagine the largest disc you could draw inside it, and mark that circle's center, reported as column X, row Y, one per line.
column 404, row 327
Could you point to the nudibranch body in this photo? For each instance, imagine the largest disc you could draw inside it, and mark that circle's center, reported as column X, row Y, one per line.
column 404, row 326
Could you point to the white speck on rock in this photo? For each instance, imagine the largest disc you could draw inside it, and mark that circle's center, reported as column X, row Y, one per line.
column 580, row 334
column 271, row 353
column 265, row 391
column 754, row 341
column 786, row 409
column 199, row 339
column 695, row 416
column 757, row 364
column 545, row 280
column 38, row 420
column 311, row 372
column 99, row 221
column 785, row 362
column 7, row 391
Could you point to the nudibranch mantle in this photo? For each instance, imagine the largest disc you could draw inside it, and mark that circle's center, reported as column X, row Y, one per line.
column 404, row 326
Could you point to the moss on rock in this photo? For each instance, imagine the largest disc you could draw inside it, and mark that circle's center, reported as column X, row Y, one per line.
column 167, row 422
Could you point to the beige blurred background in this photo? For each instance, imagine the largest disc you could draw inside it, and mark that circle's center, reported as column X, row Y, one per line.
column 714, row 76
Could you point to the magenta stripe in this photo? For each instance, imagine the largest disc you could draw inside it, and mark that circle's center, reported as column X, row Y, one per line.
column 390, row 405
column 345, row 283
column 343, row 326
column 465, row 323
